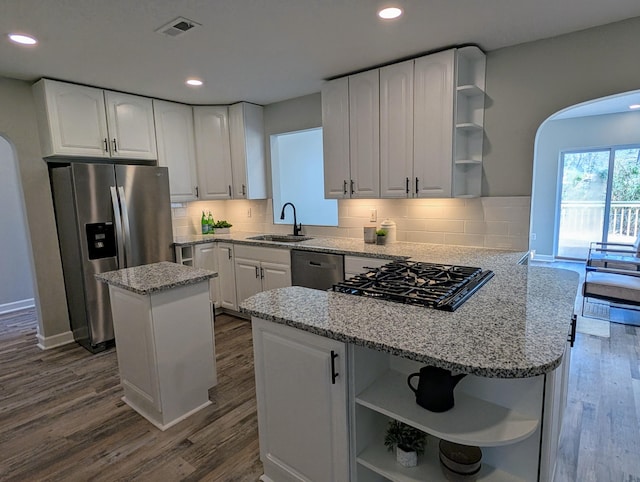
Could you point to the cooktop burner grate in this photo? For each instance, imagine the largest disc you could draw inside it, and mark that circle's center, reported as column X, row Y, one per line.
column 438, row 286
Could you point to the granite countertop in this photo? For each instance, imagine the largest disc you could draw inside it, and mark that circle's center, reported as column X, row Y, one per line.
column 151, row 278
column 515, row 326
column 436, row 253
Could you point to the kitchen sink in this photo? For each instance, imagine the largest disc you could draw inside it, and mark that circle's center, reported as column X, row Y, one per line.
column 281, row 238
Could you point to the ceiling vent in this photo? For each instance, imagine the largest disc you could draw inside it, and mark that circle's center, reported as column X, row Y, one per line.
column 177, row 27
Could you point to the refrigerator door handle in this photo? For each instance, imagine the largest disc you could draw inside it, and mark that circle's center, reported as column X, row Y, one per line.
column 125, row 225
column 117, row 219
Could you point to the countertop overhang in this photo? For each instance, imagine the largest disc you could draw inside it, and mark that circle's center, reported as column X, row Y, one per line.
column 515, row 326
column 155, row 277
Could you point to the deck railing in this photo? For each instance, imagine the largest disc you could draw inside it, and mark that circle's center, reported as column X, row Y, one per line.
column 584, row 219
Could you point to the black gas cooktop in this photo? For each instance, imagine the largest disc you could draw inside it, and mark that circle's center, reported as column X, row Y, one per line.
column 439, row 286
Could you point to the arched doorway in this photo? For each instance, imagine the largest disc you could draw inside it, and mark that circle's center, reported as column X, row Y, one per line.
column 17, row 287
column 577, row 148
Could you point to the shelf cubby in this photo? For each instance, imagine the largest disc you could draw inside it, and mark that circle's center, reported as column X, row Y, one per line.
column 498, row 425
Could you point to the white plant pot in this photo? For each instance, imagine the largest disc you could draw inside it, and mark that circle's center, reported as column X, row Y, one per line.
column 222, row 230
column 406, row 459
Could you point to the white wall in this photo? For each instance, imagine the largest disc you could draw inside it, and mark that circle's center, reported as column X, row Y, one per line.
column 568, row 134
column 16, row 281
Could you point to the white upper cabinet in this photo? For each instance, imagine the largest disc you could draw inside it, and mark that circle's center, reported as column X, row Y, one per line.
column 246, row 129
column 433, row 124
column 396, row 130
column 75, row 120
column 213, row 152
column 176, row 148
column 364, row 134
column 130, row 122
column 335, row 138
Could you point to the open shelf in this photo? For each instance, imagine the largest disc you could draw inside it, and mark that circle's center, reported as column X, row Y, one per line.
column 469, row 90
column 469, row 127
column 497, row 426
column 377, row 458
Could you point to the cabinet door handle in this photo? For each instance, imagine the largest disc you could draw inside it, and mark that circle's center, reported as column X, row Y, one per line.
column 344, row 187
column 572, row 334
column 416, row 185
column 261, row 273
column 197, row 192
column 229, row 250
column 352, row 186
column 334, row 374
column 229, row 191
column 257, row 272
column 407, row 187
column 244, row 190
column 115, row 145
column 106, row 145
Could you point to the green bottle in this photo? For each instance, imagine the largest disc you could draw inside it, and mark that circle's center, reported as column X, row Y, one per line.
column 205, row 224
column 210, row 223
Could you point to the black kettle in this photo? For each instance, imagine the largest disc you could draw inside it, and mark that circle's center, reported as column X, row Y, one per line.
column 435, row 388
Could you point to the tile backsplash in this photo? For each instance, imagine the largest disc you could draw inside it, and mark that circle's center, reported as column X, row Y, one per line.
column 492, row 222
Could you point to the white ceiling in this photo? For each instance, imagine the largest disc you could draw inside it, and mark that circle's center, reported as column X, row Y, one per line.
column 263, row 51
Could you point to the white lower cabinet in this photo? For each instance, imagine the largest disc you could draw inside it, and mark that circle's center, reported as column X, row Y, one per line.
column 260, row 269
column 301, row 390
column 204, row 256
column 227, row 276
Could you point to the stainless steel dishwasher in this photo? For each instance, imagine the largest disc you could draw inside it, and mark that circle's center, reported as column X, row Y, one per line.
column 316, row 270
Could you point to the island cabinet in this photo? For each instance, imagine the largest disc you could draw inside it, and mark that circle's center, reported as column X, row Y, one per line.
column 213, row 152
column 80, row 121
column 260, row 269
column 176, row 148
column 301, row 390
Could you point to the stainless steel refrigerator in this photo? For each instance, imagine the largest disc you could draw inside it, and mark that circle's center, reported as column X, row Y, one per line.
column 108, row 217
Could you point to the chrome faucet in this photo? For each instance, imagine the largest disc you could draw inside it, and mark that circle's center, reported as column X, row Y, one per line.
column 296, row 228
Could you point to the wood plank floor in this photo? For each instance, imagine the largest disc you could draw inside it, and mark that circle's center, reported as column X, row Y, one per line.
column 61, row 417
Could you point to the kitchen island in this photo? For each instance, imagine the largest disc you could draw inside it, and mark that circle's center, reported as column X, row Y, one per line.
column 353, row 355
column 163, row 323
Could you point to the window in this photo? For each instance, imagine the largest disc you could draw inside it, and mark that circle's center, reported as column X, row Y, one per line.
column 298, row 177
column 599, row 199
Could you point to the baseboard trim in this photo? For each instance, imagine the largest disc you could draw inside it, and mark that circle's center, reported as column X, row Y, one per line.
column 547, row 258
column 17, row 306
column 49, row 342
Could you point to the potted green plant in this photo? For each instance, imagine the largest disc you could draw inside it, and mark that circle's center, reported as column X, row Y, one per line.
column 409, row 442
column 222, row 227
column 381, row 236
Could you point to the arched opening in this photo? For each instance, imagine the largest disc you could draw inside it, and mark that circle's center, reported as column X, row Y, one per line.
column 17, row 286
column 586, row 160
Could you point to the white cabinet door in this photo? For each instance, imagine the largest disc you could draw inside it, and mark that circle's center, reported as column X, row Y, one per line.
column 433, row 124
column 227, row 276
column 275, row 275
column 248, row 281
column 302, row 407
column 396, row 130
column 335, row 138
column 176, row 148
column 246, row 131
column 205, row 258
column 213, row 152
column 72, row 119
column 364, row 134
column 131, row 130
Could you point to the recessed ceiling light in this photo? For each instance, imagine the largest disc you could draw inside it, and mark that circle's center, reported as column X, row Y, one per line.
column 634, row 106
column 389, row 13
column 22, row 39
column 194, row 82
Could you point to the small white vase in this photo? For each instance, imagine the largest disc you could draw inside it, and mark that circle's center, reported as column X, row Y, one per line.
column 406, row 459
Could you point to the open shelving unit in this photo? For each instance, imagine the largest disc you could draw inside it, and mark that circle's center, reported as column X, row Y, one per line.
column 503, row 417
column 469, row 122
column 184, row 255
